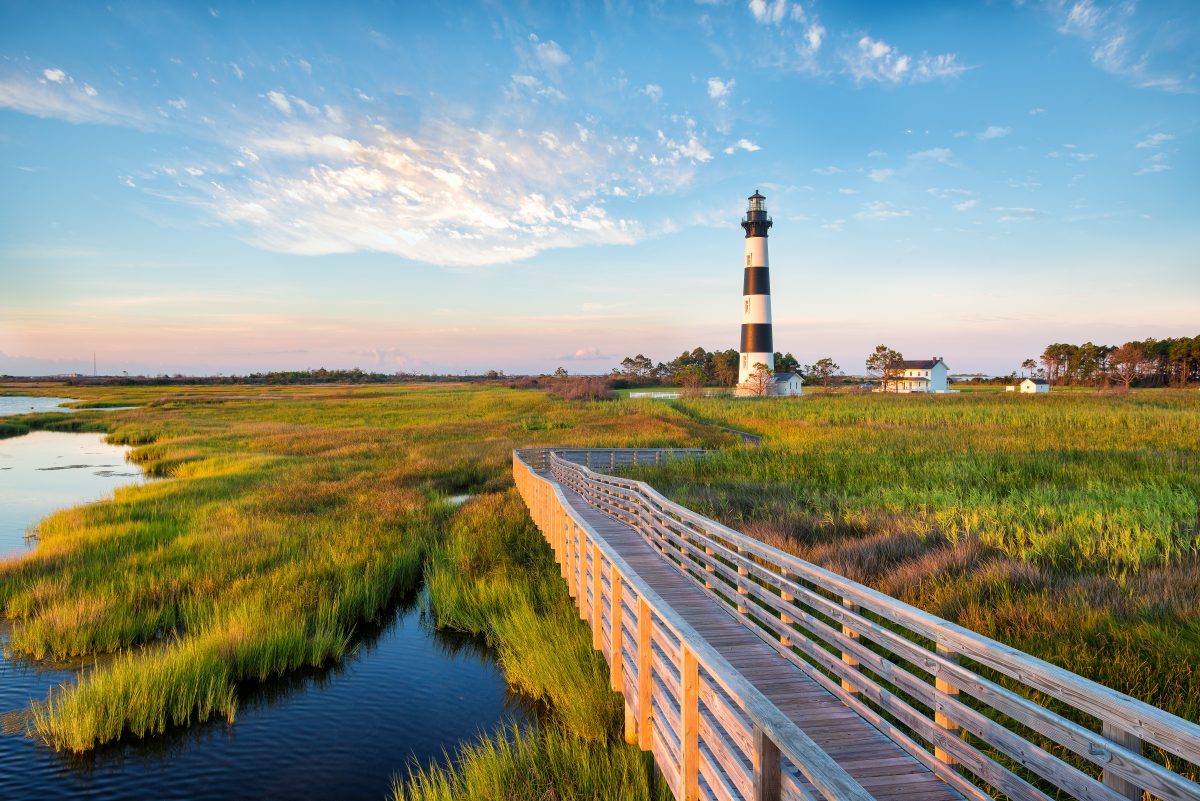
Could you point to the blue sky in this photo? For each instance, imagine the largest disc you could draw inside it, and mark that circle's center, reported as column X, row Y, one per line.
column 192, row 188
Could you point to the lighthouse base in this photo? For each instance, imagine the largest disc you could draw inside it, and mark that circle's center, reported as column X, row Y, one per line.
column 778, row 385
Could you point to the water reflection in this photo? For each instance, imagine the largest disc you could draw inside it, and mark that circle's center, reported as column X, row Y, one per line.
column 407, row 692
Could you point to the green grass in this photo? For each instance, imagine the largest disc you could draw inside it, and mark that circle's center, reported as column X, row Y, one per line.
column 1063, row 525
column 291, row 516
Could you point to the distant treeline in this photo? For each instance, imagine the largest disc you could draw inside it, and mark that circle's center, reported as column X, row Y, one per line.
column 1146, row 363
column 319, row 376
column 698, row 366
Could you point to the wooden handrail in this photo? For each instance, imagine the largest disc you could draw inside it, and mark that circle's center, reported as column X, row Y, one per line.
column 890, row 661
column 701, row 671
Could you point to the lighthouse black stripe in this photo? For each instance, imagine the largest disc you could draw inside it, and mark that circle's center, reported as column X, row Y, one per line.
column 757, row 281
column 756, row 338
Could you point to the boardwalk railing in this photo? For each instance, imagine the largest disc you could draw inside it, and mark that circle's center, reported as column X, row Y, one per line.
column 987, row 719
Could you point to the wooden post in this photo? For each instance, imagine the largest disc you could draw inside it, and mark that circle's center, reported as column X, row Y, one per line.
column 644, row 678
column 768, row 777
column 631, row 725
column 1130, row 741
column 597, row 600
column 785, row 619
column 742, row 591
column 616, row 647
column 689, row 721
column 569, row 564
column 943, row 720
column 848, row 658
column 708, row 585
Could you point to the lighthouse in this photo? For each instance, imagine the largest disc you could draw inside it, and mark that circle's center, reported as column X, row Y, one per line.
column 757, row 346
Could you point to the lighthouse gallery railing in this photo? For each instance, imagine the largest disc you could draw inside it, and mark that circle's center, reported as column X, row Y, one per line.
column 946, row 695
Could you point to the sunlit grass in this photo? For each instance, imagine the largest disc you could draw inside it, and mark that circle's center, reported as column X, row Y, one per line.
column 290, row 517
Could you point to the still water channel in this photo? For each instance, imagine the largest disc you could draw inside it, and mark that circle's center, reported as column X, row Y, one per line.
column 408, row 693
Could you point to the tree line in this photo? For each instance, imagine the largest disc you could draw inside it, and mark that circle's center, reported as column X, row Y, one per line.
column 1146, row 363
column 698, row 367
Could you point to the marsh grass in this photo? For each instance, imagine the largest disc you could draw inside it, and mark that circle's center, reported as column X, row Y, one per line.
column 546, row 764
column 1065, row 526
column 292, row 516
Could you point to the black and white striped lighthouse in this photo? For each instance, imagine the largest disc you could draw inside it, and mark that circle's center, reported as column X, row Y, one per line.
column 757, row 346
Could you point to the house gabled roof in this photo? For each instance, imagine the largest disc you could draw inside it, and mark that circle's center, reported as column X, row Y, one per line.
column 782, row 378
column 1038, row 381
column 921, row 364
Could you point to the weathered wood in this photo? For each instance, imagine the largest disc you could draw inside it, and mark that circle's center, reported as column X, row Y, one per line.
column 767, row 777
column 1116, row 782
column 597, row 599
column 616, row 662
column 689, row 732
column 939, row 717
column 645, row 655
column 770, row 593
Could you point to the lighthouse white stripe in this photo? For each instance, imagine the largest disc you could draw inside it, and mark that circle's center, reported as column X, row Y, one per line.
column 756, row 308
column 756, row 249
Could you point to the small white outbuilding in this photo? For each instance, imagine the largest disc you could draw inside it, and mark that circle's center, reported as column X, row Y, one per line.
column 1034, row 386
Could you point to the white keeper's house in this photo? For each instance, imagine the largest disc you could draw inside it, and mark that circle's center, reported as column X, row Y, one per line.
column 1032, row 386
column 922, row 375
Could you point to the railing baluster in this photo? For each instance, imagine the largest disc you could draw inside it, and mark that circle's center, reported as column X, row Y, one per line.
column 768, row 777
column 786, row 597
column 616, row 622
column 742, row 591
column 940, row 719
column 644, row 677
column 1130, row 741
column 597, row 600
column 849, row 658
column 709, row 569
column 689, row 721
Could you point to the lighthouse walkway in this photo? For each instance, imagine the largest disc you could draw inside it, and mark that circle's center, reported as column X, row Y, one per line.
column 752, row 674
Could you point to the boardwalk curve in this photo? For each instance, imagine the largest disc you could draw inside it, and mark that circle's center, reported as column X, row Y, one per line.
column 750, row 673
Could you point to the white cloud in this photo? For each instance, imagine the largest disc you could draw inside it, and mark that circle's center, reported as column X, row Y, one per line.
column 1155, row 139
column 814, row 36
column 881, row 175
column 830, row 170
column 946, row 194
column 279, row 100
column 1072, row 153
column 742, row 144
column 56, row 95
column 835, row 225
column 1153, row 168
column 551, row 55
column 940, row 155
column 847, row 191
column 443, row 194
column 179, row 104
column 1016, row 214
column 653, row 91
column 876, row 154
column 529, row 87
column 1126, row 44
column 769, row 13
column 876, row 60
column 719, row 90
column 880, row 210
column 966, row 205
column 237, row 70
column 1033, row 112
column 993, row 132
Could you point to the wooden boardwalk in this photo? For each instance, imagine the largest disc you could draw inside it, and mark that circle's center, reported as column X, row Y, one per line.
column 874, row 761
column 751, row 674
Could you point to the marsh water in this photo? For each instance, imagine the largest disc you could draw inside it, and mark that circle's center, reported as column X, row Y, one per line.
column 407, row 694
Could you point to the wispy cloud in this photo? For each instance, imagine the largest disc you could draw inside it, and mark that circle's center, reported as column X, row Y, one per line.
column 52, row 93
column 880, row 210
column 1008, row 214
column 1155, row 139
column 742, row 144
column 1126, row 44
column 993, row 132
column 876, row 60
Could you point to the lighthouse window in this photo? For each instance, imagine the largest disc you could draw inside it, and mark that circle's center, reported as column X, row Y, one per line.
column 747, row 259
column 747, row 302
